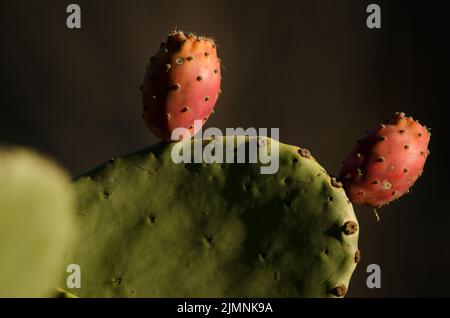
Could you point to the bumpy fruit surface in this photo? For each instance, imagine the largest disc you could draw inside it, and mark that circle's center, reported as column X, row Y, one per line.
column 181, row 84
column 36, row 223
column 386, row 163
column 153, row 228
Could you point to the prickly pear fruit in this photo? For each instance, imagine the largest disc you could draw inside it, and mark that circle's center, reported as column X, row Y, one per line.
column 181, row 84
column 153, row 228
column 386, row 163
column 36, row 223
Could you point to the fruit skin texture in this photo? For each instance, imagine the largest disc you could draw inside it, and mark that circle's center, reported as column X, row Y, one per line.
column 386, row 163
column 37, row 223
column 153, row 228
column 181, row 84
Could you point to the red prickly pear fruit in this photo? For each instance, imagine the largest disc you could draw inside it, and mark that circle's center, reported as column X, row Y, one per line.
column 181, row 84
column 386, row 163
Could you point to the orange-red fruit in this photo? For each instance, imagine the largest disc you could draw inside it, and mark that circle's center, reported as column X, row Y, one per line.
column 181, row 84
column 386, row 163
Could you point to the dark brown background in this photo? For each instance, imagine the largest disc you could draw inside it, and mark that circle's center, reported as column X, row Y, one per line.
column 311, row 68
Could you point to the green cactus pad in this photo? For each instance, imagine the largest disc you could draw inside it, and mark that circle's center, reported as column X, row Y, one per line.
column 36, row 223
column 153, row 228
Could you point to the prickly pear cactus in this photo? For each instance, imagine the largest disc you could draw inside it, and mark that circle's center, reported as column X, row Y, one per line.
column 153, row 228
column 181, row 84
column 36, row 223
column 386, row 163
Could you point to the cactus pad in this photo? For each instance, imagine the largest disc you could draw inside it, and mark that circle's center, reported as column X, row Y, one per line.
column 153, row 228
column 36, row 223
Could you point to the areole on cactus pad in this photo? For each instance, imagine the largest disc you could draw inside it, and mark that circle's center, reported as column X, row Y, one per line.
column 181, row 84
column 386, row 163
column 153, row 228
